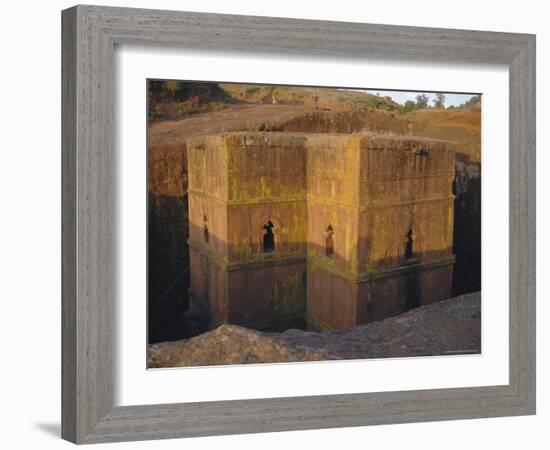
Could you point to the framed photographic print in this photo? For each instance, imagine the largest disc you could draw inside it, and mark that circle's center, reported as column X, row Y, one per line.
column 278, row 224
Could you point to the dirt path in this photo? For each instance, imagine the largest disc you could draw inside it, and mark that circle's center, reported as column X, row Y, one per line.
column 232, row 118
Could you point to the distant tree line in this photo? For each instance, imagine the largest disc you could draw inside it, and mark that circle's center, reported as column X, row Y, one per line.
column 172, row 90
column 474, row 101
column 422, row 102
column 173, row 99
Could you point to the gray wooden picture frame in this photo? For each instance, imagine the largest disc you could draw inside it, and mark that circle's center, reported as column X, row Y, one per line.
column 90, row 34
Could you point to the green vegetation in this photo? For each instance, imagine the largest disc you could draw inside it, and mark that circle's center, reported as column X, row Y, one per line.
column 474, row 102
column 155, row 113
column 213, row 106
column 255, row 126
column 173, row 99
column 159, row 91
column 172, row 86
column 182, row 110
column 409, row 106
column 439, row 101
column 422, row 103
column 250, row 90
column 378, row 103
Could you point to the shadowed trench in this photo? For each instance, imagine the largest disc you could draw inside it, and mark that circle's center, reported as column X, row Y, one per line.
column 167, row 267
column 170, row 315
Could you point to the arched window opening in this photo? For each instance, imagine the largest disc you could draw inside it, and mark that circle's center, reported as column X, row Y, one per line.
column 269, row 237
column 205, row 233
column 409, row 246
column 329, row 242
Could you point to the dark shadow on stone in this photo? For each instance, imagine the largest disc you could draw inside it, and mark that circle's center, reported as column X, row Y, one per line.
column 167, row 267
column 419, row 282
column 467, row 226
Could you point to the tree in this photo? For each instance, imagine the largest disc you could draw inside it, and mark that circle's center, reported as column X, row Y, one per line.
column 473, row 102
column 171, row 86
column 439, row 101
column 421, row 101
column 408, row 107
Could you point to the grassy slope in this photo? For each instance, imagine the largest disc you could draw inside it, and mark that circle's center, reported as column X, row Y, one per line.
column 322, row 98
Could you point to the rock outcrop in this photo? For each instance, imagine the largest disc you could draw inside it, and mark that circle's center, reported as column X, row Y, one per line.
column 448, row 327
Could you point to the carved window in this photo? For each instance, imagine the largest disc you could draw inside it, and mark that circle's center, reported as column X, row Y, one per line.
column 409, row 245
column 205, row 233
column 329, row 242
column 268, row 237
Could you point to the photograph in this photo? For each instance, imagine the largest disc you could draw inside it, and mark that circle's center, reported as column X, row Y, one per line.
column 307, row 223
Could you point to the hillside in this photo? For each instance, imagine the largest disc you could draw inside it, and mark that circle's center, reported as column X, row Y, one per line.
column 178, row 110
column 462, row 126
column 310, row 97
column 177, row 100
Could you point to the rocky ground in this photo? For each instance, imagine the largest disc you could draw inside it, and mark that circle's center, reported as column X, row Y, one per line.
column 448, row 327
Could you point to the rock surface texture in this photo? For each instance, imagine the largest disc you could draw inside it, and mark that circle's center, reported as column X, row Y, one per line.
column 448, row 327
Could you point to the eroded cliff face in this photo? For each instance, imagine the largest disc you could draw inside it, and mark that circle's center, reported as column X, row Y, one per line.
column 448, row 327
column 167, row 250
column 467, row 217
column 168, row 266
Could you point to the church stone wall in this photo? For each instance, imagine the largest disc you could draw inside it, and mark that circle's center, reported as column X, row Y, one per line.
column 333, row 201
column 362, row 226
column 263, row 182
column 407, row 193
column 332, row 297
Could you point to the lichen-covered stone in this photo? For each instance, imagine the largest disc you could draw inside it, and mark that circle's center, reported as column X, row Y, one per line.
column 378, row 194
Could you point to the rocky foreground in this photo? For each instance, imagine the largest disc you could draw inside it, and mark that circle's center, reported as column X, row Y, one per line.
column 448, row 327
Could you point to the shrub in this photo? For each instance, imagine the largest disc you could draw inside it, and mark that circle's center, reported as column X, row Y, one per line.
column 155, row 113
column 184, row 110
column 255, row 126
column 251, row 90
